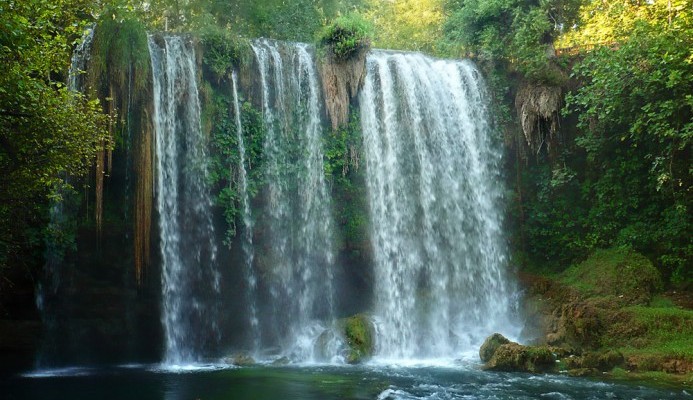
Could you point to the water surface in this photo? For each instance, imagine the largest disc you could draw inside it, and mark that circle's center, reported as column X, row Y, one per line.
column 213, row 382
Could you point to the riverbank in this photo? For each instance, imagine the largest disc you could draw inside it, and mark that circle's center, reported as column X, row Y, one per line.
column 612, row 307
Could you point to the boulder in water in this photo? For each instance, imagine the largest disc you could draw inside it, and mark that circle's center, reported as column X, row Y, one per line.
column 601, row 361
column 359, row 334
column 514, row 357
column 240, row 360
column 281, row 361
column 491, row 344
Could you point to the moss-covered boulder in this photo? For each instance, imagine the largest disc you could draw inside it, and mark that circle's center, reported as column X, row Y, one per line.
column 359, row 334
column 513, row 357
column 618, row 272
column 240, row 360
column 491, row 344
column 597, row 360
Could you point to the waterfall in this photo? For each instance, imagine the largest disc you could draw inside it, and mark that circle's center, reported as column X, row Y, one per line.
column 298, row 257
column 190, row 279
column 80, row 59
column 433, row 190
column 248, row 225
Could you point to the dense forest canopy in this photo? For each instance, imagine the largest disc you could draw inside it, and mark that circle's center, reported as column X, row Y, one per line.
column 618, row 174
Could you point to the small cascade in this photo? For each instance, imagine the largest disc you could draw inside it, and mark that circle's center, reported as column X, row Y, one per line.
column 190, row 279
column 299, row 259
column 433, row 186
column 79, row 61
column 248, row 224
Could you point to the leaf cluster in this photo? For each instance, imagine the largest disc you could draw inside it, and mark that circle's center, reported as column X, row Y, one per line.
column 45, row 130
column 346, row 36
column 226, row 157
column 518, row 32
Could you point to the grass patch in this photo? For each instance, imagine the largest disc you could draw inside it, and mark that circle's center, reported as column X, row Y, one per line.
column 661, row 379
column 619, row 272
column 668, row 331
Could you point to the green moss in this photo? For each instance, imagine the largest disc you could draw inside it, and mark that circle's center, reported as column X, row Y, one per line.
column 346, row 36
column 666, row 331
column 660, row 378
column 121, row 49
column 358, row 332
column 220, row 122
column 617, row 272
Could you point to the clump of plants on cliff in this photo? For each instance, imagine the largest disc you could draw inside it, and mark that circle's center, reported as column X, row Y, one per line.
column 223, row 51
column 346, row 36
column 225, row 158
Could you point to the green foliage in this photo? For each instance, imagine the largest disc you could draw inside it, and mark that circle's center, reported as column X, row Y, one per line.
column 120, row 49
column 223, row 51
column 637, row 116
column 407, row 24
column 342, row 149
column 45, row 131
column 516, row 31
column 346, row 36
column 616, row 272
column 225, row 159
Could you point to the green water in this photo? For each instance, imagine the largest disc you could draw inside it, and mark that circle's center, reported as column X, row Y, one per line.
column 316, row 382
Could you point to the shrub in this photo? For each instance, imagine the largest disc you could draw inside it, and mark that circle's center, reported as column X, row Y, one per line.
column 345, row 36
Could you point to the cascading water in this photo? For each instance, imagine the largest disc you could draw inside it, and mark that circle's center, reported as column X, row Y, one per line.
column 78, row 63
column 299, row 259
column 190, row 279
column 433, row 187
column 248, row 224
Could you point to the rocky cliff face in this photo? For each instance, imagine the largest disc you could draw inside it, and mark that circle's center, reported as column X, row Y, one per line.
column 341, row 82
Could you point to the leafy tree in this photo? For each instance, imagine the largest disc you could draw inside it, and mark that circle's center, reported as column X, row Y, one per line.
column 610, row 22
column 45, row 131
column 636, row 112
column 516, row 31
column 407, row 24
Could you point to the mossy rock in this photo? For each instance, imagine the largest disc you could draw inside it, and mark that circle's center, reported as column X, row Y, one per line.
column 603, row 361
column 240, row 360
column 491, row 344
column 513, row 357
column 583, row 372
column 619, row 272
column 359, row 334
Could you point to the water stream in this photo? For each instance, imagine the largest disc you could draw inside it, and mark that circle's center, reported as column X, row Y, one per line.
column 298, row 255
column 434, row 194
column 190, row 278
column 248, row 224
